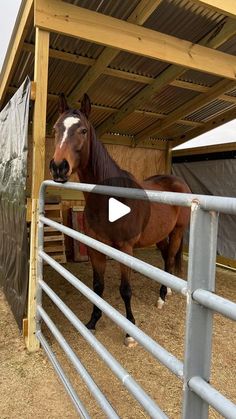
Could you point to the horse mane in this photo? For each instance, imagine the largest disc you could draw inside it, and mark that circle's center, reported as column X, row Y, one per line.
column 102, row 164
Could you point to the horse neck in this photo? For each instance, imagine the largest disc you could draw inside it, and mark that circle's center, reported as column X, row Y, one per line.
column 100, row 165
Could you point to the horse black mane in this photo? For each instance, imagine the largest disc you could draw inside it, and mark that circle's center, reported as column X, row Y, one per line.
column 104, row 167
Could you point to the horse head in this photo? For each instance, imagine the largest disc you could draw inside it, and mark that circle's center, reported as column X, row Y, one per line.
column 72, row 139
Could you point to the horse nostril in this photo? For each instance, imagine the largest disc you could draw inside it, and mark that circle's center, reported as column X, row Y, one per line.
column 59, row 170
column 64, row 166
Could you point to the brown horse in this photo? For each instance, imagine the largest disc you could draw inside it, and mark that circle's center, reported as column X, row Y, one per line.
column 79, row 151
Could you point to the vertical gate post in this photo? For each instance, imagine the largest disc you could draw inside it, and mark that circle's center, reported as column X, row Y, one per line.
column 201, row 274
column 39, row 132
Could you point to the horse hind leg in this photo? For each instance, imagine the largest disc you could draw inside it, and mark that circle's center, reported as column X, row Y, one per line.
column 163, row 247
column 172, row 259
column 126, row 294
column 98, row 261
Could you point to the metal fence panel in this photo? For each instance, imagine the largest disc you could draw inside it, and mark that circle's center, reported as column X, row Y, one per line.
column 201, row 302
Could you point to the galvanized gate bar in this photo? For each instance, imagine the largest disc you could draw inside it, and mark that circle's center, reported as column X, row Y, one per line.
column 166, row 358
column 216, row 303
column 158, row 275
column 208, row 393
column 201, row 273
column 201, row 302
column 148, row 404
column 63, row 377
column 98, row 395
column 209, row 203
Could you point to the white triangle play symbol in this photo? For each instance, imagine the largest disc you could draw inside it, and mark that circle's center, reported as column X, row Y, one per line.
column 116, row 210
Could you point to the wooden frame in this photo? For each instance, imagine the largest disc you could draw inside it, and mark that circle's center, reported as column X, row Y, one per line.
column 75, row 21
column 39, row 133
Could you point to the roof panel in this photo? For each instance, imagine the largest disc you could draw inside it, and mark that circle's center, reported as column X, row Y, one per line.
column 112, row 91
column 214, row 108
column 183, row 19
column 168, row 99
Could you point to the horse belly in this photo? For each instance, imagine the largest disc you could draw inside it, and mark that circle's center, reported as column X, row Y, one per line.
column 162, row 221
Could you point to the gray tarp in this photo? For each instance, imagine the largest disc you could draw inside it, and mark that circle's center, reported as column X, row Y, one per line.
column 13, row 172
column 214, row 177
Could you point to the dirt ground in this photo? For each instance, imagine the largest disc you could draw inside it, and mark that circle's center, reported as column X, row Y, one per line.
column 29, row 387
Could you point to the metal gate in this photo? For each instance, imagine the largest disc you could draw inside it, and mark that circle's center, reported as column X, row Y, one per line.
column 201, row 301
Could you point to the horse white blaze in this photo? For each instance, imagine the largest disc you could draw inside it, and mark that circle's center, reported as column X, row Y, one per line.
column 68, row 123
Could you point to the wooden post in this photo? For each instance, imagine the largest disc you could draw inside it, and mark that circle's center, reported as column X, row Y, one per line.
column 39, row 132
column 168, row 158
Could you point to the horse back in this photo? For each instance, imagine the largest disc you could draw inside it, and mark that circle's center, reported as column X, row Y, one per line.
column 167, row 183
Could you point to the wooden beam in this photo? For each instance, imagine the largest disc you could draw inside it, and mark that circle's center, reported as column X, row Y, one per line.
column 79, row 59
column 213, row 40
column 62, row 55
column 186, row 109
column 205, row 149
column 20, row 30
column 94, row 27
column 225, row 7
column 39, row 132
column 139, row 16
column 213, row 123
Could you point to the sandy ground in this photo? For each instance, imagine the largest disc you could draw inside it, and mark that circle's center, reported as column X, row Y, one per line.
column 30, row 389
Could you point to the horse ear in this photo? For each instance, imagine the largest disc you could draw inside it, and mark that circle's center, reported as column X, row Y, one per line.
column 86, row 106
column 62, row 104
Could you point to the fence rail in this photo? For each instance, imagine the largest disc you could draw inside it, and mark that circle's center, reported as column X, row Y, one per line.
column 200, row 297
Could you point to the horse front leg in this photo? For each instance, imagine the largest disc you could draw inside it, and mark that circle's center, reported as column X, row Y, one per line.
column 98, row 261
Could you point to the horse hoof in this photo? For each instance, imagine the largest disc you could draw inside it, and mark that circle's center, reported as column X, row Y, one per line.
column 160, row 303
column 130, row 342
column 169, row 291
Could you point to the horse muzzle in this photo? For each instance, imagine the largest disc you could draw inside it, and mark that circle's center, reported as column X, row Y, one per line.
column 59, row 172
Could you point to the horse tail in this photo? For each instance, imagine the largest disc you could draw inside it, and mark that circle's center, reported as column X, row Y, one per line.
column 179, row 259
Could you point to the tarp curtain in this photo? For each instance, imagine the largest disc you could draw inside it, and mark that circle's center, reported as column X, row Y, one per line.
column 13, row 172
column 214, row 177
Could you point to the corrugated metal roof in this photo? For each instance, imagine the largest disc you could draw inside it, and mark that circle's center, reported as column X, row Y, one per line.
column 168, row 100
column 112, row 91
column 214, row 108
column 181, row 18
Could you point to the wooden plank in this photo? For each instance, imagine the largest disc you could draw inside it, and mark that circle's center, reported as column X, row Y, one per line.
column 94, row 27
column 52, row 207
column 212, row 40
column 39, row 131
column 204, row 149
column 225, row 7
column 139, row 16
column 54, row 249
column 53, row 238
column 25, row 328
column 20, row 30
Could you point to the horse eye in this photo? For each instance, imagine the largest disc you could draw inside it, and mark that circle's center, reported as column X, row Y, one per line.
column 84, row 131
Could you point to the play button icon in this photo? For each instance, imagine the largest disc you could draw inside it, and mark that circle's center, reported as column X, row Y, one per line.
column 115, row 219
column 117, row 210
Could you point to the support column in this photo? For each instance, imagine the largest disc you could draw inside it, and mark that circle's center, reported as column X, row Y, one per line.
column 39, row 133
column 201, row 274
column 168, row 158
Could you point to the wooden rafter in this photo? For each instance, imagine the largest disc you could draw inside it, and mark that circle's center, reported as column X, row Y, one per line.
column 214, row 122
column 14, row 48
column 139, row 16
column 226, row 7
column 80, row 59
column 78, row 22
column 212, row 40
column 186, row 109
